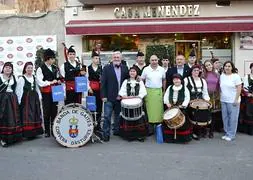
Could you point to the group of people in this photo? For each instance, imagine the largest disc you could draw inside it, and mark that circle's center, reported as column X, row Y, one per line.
column 159, row 89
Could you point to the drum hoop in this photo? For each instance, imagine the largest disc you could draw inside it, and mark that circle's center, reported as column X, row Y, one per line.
column 131, row 106
column 201, row 108
column 171, row 109
column 133, row 118
column 201, row 123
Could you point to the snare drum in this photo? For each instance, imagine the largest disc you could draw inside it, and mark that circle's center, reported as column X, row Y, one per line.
column 200, row 112
column 174, row 118
column 131, row 109
column 73, row 126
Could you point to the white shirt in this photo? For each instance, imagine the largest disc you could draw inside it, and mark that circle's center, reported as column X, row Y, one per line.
column 62, row 68
column 205, row 94
column 20, row 87
column 228, row 85
column 153, row 77
column 5, row 81
column 40, row 76
column 123, row 89
column 175, row 95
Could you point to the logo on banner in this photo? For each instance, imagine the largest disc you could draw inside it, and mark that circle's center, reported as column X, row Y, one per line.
column 20, row 48
column 29, row 40
column 1, row 49
column 29, row 55
column 39, row 47
column 73, row 127
column 9, row 41
column 10, row 56
column 49, row 39
column 1, row 63
column 20, row 63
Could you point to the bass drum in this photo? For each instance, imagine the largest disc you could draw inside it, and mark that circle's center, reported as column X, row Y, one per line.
column 73, row 126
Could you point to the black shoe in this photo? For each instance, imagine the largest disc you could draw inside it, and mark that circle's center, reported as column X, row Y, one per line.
column 210, row 135
column 140, row 139
column 47, row 135
column 195, row 136
column 106, row 138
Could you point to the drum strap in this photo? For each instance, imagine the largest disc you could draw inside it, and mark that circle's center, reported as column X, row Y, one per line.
column 195, row 94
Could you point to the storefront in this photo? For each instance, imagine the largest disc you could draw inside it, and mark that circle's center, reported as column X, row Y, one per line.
column 224, row 31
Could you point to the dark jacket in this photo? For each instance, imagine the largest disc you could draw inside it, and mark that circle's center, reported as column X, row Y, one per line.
column 173, row 70
column 109, row 83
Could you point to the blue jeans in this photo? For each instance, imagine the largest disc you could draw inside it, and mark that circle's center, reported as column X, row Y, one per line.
column 230, row 115
column 108, row 109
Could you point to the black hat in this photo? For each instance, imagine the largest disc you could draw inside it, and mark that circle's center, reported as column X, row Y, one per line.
column 139, row 53
column 192, row 54
column 71, row 50
column 94, row 53
column 7, row 64
column 48, row 53
column 166, row 57
column 178, row 76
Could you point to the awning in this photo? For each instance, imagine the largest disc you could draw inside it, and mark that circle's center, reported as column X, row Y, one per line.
column 148, row 26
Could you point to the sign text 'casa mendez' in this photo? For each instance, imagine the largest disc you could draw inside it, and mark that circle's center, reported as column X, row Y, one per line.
column 157, row 11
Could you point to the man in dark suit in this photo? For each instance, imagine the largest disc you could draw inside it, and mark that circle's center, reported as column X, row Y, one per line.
column 180, row 68
column 112, row 77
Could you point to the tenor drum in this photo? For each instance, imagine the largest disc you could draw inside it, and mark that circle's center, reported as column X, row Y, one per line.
column 73, row 126
column 174, row 118
column 131, row 109
column 200, row 112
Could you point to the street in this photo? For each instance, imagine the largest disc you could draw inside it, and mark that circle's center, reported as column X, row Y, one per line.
column 214, row 159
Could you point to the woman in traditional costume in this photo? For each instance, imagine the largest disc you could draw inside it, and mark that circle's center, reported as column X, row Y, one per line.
column 133, row 89
column 198, row 90
column 179, row 96
column 10, row 124
column 29, row 99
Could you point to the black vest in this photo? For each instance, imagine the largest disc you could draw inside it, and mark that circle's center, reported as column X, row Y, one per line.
column 94, row 75
column 70, row 71
column 49, row 75
column 136, row 89
column 3, row 87
column 180, row 96
column 250, row 84
column 195, row 94
column 29, row 86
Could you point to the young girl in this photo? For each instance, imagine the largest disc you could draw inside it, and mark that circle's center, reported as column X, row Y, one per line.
column 213, row 86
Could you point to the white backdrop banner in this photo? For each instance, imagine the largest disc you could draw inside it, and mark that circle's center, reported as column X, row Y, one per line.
column 21, row 49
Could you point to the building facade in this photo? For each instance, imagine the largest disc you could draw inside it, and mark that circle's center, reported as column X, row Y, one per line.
column 226, row 32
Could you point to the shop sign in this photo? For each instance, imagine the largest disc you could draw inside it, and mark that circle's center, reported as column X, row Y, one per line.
column 157, row 11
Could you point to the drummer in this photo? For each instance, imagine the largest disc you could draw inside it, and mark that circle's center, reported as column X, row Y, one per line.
column 177, row 95
column 133, row 88
column 198, row 90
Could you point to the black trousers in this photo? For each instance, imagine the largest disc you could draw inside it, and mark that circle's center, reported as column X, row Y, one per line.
column 73, row 97
column 49, row 111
